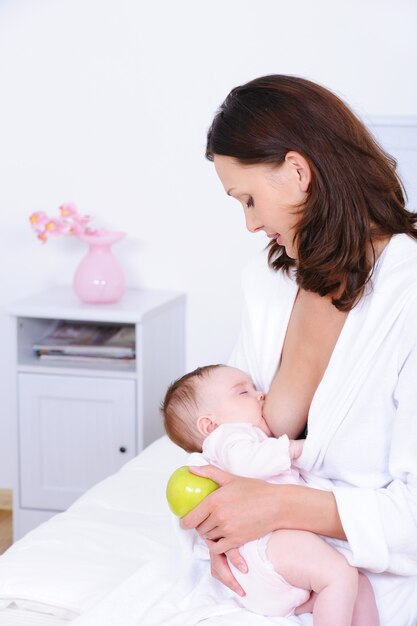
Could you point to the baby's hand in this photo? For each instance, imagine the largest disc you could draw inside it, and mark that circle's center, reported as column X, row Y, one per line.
column 296, row 448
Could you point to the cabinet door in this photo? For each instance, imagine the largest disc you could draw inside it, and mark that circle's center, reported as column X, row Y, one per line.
column 73, row 432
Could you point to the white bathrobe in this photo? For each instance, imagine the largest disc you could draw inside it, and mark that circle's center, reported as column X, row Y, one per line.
column 362, row 434
column 362, row 424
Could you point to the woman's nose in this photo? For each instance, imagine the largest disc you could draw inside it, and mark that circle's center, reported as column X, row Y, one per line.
column 251, row 223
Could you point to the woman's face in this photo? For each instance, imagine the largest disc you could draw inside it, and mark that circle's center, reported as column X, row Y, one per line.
column 271, row 195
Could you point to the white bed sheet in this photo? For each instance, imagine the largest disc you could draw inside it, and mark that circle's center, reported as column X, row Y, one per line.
column 65, row 566
column 18, row 617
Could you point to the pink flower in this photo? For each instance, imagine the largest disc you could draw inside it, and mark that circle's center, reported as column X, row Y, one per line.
column 69, row 213
column 43, row 237
column 68, row 210
column 38, row 220
column 55, row 227
column 69, row 222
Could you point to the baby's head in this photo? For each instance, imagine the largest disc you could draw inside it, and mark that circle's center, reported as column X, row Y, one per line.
column 212, row 395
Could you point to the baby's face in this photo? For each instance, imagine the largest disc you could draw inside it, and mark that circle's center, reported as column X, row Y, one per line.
column 232, row 397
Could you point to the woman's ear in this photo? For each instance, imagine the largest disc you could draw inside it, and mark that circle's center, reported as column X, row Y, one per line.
column 301, row 168
column 206, row 424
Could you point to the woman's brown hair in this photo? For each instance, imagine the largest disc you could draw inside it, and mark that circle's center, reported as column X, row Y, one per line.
column 355, row 195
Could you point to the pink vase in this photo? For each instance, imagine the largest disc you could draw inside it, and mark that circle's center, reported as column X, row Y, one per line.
column 99, row 278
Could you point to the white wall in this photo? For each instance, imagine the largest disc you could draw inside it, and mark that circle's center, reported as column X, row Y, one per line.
column 107, row 102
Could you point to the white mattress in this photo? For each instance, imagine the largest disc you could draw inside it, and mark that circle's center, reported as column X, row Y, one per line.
column 66, row 565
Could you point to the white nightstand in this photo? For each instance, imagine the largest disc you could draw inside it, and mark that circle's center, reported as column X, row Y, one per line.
column 78, row 423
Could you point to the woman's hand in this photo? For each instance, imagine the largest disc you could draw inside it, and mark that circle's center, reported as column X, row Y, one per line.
column 220, row 567
column 243, row 509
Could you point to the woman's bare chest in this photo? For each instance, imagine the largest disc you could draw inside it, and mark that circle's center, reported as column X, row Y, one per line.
column 313, row 330
column 312, row 333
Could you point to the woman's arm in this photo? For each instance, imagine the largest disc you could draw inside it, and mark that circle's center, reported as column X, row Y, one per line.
column 244, row 509
column 381, row 524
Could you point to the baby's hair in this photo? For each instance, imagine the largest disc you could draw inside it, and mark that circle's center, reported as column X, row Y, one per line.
column 180, row 409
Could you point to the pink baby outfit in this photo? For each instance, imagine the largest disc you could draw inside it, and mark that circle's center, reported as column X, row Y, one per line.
column 267, row 593
column 246, row 450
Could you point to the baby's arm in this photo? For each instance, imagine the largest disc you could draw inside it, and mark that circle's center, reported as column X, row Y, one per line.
column 246, row 451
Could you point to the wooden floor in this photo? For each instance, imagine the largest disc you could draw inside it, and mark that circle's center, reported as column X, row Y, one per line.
column 5, row 530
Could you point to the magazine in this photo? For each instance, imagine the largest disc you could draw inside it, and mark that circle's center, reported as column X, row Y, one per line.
column 82, row 359
column 93, row 340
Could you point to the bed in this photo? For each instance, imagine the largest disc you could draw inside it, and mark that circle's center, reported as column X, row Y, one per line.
column 66, row 565
column 95, row 564
column 114, row 558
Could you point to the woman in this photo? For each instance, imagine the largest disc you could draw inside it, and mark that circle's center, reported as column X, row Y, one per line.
column 329, row 329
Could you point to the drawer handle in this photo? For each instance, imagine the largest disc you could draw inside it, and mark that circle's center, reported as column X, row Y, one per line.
column 122, row 449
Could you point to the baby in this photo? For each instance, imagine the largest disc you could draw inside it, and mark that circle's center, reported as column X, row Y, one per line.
column 217, row 410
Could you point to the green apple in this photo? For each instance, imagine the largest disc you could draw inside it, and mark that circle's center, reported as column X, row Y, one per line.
column 185, row 490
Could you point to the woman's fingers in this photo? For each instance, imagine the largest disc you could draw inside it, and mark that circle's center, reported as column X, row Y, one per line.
column 210, row 471
column 221, row 571
column 198, row 515
column 237, row 560
column 212, row 535
column 241, row 510
column 201, row 513
column 223, row 545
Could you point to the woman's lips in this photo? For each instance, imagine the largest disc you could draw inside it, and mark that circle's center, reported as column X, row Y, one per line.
column 277, row 238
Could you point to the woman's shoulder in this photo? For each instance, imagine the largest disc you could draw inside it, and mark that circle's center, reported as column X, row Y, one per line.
column 394, row 289
column 395, row 272
column 399, row 254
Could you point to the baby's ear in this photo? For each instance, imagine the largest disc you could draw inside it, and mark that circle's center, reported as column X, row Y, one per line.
column 206, row 424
